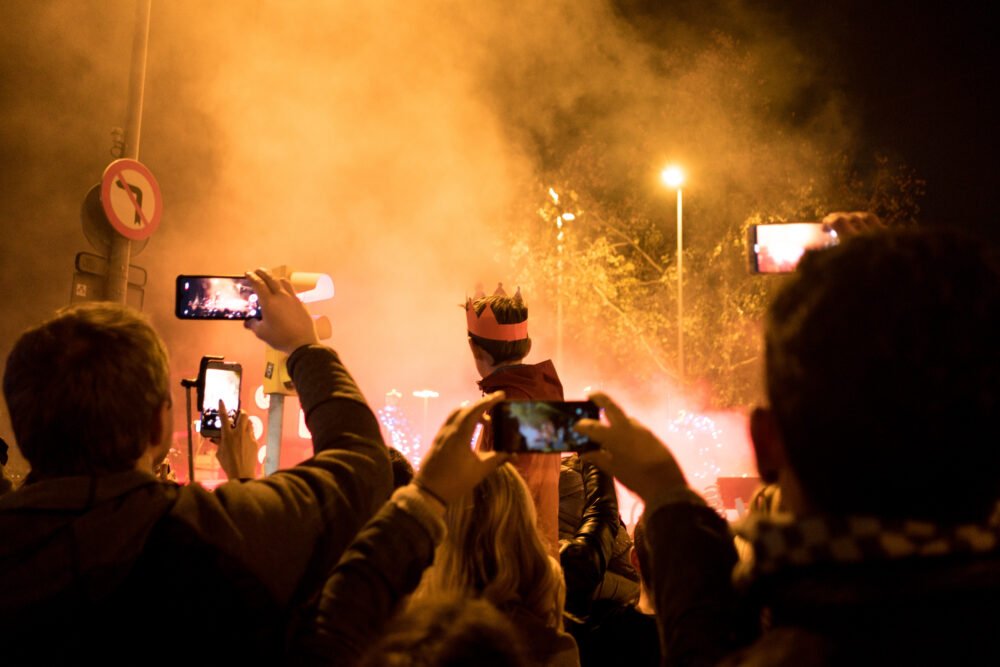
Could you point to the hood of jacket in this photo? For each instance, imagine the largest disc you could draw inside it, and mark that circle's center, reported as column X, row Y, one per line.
column 538, row 382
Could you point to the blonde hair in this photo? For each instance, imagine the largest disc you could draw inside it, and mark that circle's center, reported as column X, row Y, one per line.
column 492, row 550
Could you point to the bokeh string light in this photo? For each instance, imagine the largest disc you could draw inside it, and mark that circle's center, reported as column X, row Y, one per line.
column 703, row 433
column 401, row 434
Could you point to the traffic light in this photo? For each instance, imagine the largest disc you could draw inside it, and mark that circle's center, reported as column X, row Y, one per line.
column 310, row 288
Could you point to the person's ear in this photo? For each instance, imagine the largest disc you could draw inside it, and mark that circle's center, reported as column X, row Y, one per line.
column 480, row 354
column 767, row 444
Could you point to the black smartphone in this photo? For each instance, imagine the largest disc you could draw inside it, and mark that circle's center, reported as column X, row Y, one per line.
column 222, row 381
column 541, row 427
column 216, row 298
column 778, row 248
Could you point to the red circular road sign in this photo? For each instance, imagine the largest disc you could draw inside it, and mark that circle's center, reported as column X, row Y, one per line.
column 131, row 198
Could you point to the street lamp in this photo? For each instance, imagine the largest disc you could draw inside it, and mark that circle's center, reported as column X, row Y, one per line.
column 425, row 394
column 563, row 216
column 673, row 177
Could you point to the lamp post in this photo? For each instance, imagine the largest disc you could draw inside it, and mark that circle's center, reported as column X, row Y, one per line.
column 425, row 394
column 673, row 177
column 562, row 218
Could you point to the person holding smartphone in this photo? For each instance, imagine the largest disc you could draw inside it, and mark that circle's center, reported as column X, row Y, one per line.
column 99, row 557
column 497, row 327
column 883, row 382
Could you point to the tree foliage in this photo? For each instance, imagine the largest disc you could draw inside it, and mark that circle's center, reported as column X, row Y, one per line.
column 613, row 269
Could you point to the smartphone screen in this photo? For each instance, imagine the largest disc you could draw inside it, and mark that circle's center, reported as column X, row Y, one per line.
column 215, row 298
column 778, row 248
column 541, row 427
column 222, row 381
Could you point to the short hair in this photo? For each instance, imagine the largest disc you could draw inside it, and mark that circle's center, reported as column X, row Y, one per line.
column 882, row 372
column 448, row 630
column 507, row 310
column 83, row 388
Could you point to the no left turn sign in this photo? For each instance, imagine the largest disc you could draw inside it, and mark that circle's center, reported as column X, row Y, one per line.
column 131, row 198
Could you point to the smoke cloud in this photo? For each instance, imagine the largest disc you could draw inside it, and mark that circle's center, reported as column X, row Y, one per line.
column 382, row 143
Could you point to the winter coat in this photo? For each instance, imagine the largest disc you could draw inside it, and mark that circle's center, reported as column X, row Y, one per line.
column 123, row 568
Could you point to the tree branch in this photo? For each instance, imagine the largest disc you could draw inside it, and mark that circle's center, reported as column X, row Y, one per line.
column 656, row 265
column 635, row 329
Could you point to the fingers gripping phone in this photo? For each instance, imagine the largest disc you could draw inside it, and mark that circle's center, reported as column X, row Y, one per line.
column 222, row 381
column 778, row 248
column 215, row 298
column 541, row 427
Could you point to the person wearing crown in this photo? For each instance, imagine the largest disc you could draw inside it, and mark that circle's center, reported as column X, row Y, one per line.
column 498, row 338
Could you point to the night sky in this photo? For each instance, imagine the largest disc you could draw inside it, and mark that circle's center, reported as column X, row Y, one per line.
column 922, row 85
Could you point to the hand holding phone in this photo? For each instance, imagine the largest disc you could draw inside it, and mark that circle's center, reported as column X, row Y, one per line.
column 633, row 454
column 237, row 447
column 778, row 248
column 222, row 382
column 541, row 427
column 451, row 469
column 288, row 324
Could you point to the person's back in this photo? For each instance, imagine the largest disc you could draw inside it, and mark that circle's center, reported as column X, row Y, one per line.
column 883, row 381
column 617, row 632
column 102, row 561
column 497, row 326
column 883, row 375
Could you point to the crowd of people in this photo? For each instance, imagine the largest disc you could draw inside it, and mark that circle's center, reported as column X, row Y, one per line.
column 876, row 541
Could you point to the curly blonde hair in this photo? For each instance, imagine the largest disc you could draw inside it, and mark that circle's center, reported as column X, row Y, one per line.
column 492, row 550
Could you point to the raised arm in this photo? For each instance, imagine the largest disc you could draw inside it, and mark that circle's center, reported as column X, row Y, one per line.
column 291, row 528
column 388, row 558
column 692, row 552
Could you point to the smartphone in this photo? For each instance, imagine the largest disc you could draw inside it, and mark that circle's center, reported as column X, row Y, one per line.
column 541, row 427
column 778, row 248
column 222, row 381
column 216, row 298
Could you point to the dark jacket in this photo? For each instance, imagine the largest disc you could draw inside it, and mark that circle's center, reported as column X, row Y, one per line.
column 819, row 607
column 617, row 634
column 536, row 382
column 114, row 568
column 592, row 538
column 379, row 570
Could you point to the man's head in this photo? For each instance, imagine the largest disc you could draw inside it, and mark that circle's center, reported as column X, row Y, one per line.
column 488, row 349
column 883, row 376
column 88, row 391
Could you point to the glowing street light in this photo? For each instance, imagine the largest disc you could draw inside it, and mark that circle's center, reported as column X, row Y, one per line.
column 425, row 394
column 673, row 177
column 562, row 218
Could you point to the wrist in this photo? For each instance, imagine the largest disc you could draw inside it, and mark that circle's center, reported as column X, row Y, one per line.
column 431, row 497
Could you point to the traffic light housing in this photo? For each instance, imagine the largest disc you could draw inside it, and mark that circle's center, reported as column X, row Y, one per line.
column 310, row 288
